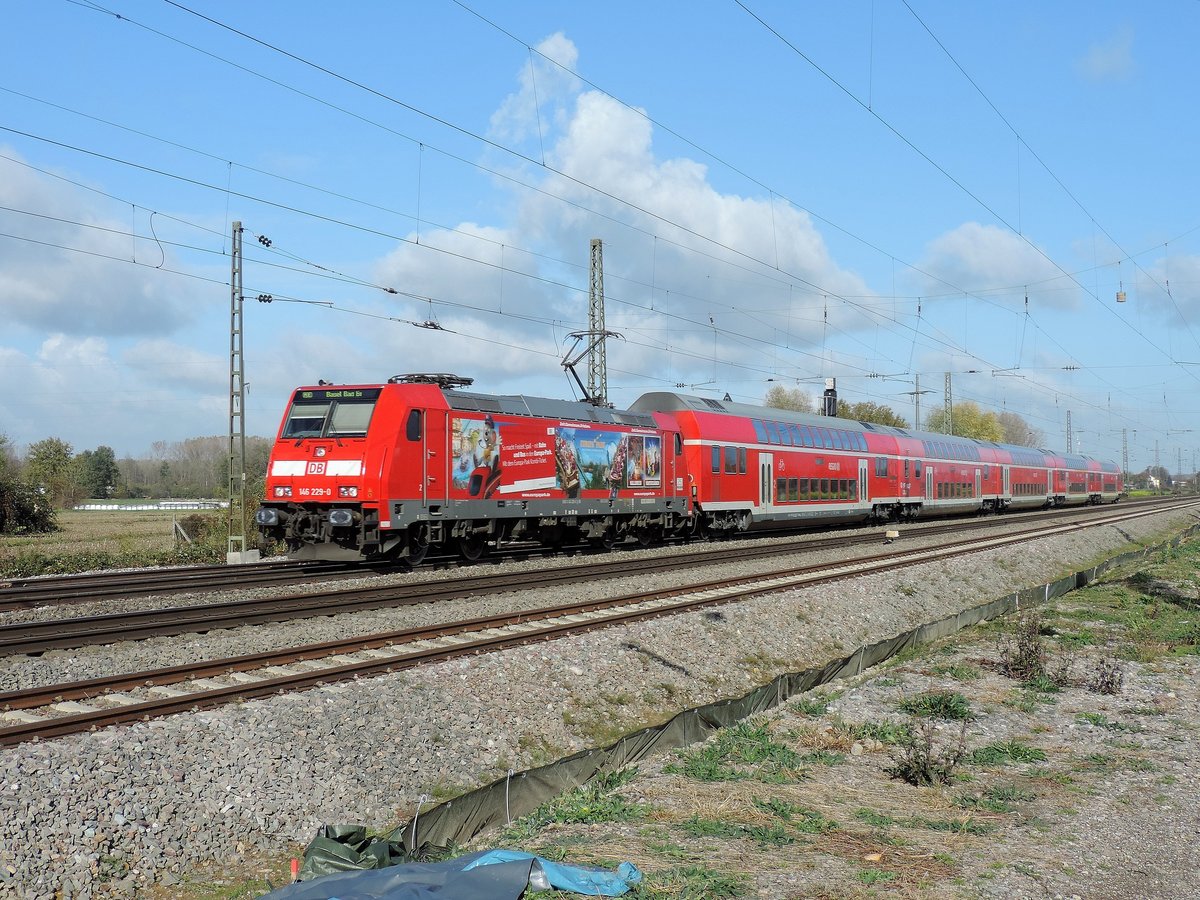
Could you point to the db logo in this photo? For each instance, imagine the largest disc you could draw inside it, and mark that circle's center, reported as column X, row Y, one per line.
column 316, row 468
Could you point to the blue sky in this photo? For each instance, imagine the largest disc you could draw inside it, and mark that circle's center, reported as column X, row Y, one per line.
column 871, row 191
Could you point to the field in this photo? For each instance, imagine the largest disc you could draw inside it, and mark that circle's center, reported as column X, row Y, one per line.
column 94, row 539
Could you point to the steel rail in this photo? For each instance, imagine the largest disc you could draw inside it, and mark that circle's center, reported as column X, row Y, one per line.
column 70, row 633
column 688, row 597
column 30, row 592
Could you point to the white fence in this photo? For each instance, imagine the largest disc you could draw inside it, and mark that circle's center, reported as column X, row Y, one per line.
column 167, row 505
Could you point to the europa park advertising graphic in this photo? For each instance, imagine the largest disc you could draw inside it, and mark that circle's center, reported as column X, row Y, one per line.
column 536, row 459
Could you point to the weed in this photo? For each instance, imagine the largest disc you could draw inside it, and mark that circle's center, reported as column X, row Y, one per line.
column 878, row 820
column 824, row 758
column 1022, row 654
column 1100, row 762
column 781, row 809
column 955, row 826
column 1005, row 752
column 1101, row 721
column 920, row 762
column 749, row 743
column 812, row 822
column 998, row 798
column 958, row 671
column 884, row 732
column 768, row 836
column 875, row 876
column 1106, row 677
column 594, row 802
column 669, row 850
column 812, row 706
column 694, row 883
column 947, row 705
column 1074, row 640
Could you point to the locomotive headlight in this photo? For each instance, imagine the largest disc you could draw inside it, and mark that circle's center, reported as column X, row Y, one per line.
column 284, row 491
column 348, row 491
column 267, row 517
column 340, row 518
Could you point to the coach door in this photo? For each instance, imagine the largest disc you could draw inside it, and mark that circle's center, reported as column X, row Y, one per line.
column 1006, row 489
column 929, row 483
column 978, row 484
column 766, row 477
column 863, row 493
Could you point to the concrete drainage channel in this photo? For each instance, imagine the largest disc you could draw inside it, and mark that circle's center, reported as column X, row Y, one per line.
column 458, row 821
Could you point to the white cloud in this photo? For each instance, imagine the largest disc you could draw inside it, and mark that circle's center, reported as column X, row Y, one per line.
column 1110, row 60
column 1180, row 275
column 980, row 258
column 736, row 259
column 60, row 276
column 536, row 104
column 174, row 365
column 60, row 350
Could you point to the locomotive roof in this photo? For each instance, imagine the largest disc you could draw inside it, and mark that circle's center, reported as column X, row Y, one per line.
column 668, row 401
column 548, row 407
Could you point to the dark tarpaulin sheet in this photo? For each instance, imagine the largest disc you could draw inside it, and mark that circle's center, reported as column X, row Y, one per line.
column 458, row 821
column 418, row 881
column 486, row 875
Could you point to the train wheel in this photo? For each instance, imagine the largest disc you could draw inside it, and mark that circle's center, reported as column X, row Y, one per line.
column 648, row 537
column 605, row 541
column 472, row 547
column 416, row 552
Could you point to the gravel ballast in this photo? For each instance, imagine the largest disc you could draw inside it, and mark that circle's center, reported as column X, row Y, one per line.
column 107, row 813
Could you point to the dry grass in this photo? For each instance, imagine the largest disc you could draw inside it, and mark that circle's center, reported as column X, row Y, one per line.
column 98, row 531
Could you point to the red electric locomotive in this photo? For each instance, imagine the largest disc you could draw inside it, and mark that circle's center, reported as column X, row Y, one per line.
column 390, row 470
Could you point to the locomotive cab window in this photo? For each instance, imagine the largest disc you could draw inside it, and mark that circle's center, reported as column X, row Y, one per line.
column 317, row 414
column 412, row 428
column 350, row 419
column 305, row 420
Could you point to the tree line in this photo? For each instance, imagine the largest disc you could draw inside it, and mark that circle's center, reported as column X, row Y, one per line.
column 52, row 475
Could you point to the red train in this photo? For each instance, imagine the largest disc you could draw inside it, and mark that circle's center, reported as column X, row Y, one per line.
column 387, row 471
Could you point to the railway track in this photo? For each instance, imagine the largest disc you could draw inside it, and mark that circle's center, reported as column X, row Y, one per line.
column 62, row 709
column 26, row 593
column 30, row 593
column 68, row 633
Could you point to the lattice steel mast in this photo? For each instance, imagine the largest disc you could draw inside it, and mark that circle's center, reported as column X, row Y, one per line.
column 597, row 387
column 236, row 548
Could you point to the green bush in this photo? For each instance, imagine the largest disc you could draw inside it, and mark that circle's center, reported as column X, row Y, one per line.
column 24, row 509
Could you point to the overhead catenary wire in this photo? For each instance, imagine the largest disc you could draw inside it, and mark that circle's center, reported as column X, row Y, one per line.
column 502, row 268
column 466, row 131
